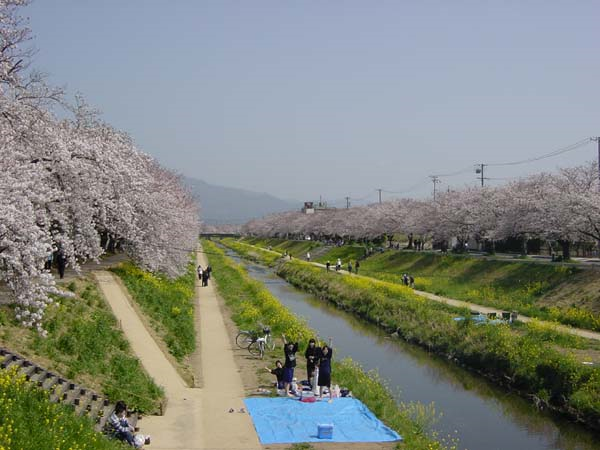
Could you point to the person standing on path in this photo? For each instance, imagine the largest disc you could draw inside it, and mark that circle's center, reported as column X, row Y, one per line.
column 325, row 354
column 338, row 265
column 349, row 267
column 61, row 262
column 308, row 256
column 356, row 266
column 289, row 350
column 328, row 266
column 199, row 271
column 205, row 278
column 208, row 272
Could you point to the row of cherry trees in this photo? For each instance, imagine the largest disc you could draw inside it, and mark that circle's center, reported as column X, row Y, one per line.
column 562, row 207
column 74, row 185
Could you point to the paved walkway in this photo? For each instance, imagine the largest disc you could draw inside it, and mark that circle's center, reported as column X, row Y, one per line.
column 194, row 418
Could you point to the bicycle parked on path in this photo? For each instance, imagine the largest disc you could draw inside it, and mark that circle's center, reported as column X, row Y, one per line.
column 254, row 342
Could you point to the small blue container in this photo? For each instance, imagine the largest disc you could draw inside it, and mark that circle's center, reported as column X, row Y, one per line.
column 325, row 431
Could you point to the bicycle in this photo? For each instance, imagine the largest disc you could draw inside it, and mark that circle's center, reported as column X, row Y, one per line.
column 260, row 344
column 246, row 337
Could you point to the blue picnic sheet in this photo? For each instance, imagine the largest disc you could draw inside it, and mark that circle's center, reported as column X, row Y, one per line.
column 287, row 420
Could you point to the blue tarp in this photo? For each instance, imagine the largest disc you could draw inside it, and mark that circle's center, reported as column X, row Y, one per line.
column 286, row 421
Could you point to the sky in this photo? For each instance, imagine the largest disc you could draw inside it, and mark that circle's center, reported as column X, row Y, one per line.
column 303, row 99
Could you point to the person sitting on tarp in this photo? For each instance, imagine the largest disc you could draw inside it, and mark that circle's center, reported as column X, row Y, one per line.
column 278, row 372
column 289, row 350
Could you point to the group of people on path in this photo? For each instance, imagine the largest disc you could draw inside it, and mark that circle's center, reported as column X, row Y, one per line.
column 318, row 367
column 54, row 254
column 204, row 274
column 408, row 280
column 338, row 266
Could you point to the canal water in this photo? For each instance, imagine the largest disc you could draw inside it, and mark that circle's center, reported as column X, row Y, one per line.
column 481, row 415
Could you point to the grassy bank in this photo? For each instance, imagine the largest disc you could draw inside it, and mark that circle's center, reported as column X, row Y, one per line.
column 555, row 292
column 85, row 343
column 298, row 249
column 251, row 303
column 29, row 421
column 535, row 359
column 168, row 303
column 508, row 285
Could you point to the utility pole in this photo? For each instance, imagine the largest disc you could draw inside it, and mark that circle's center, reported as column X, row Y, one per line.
column 379, row 194
column 347, row 202
column 597, row 139
column 480, row 171
column 435, row 179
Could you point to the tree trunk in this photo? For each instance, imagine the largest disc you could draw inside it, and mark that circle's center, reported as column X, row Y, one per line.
column 410, row 241
column 566, row 249
column 524, row 246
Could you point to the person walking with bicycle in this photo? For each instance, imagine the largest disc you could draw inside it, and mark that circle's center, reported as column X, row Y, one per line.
column 289, row 350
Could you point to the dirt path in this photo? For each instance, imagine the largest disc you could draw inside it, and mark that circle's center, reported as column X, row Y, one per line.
column 194, row 418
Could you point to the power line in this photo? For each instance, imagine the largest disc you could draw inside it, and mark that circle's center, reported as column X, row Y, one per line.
column 551, row 154
column 452, row 174
column 408, row 189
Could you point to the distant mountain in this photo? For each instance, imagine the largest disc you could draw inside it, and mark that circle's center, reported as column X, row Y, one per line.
column 230, row 205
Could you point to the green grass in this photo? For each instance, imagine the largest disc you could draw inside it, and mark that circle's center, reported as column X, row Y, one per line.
column 345, row 253
column 248, row 251
column 29, row 421
column 85, row 343
column 298, row 249
column 168, row 302
column 250, row 303
column 505, row 285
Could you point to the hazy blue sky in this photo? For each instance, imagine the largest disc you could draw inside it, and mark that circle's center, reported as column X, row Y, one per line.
column 301, row 98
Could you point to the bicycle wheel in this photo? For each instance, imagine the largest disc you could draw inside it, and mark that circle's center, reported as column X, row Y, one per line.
column 243, row 339
column 255, row 348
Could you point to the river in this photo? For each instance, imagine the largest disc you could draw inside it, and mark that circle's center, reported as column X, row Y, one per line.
column 480, row 414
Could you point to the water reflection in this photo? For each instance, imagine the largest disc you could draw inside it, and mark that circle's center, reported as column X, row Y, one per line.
column 485, row 416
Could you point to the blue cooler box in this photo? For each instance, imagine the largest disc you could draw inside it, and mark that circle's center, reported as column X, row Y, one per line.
column 325, row 431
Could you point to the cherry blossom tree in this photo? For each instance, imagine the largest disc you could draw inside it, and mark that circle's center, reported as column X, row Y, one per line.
column 75, row 184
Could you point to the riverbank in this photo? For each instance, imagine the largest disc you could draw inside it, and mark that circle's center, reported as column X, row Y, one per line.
column 251, row 303
column 557, row 292
column 527, row 363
